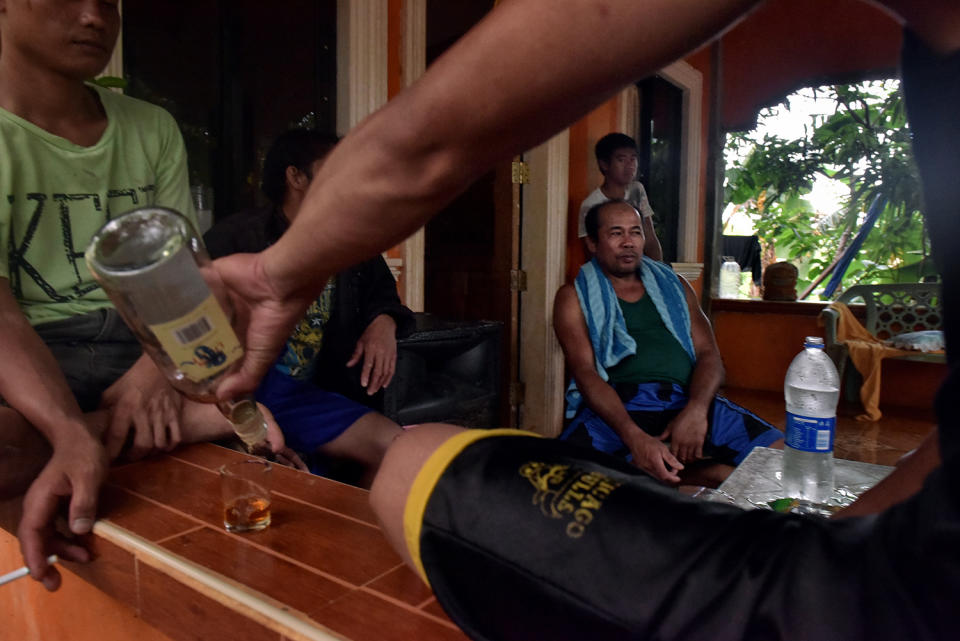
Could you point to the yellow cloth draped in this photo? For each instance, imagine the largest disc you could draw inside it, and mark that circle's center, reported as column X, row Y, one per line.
column 866, row 352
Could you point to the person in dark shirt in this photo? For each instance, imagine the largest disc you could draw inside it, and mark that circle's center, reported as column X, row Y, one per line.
column 344, row 350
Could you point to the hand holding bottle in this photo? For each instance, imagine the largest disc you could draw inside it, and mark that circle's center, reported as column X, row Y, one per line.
column 155, row 269
column 265, row 317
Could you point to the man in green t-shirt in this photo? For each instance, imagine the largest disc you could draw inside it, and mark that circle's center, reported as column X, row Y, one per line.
column 645, row 362
column 73, row 156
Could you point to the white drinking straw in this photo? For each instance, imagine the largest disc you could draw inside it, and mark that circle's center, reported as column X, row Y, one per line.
column 24, row 571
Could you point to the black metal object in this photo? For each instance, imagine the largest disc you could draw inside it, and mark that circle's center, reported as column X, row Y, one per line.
column 447, row 371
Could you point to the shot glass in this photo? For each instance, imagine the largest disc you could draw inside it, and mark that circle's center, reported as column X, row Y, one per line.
column 245, row 486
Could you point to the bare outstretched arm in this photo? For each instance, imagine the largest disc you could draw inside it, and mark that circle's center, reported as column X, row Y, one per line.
column 905, row 481
column 32, row 384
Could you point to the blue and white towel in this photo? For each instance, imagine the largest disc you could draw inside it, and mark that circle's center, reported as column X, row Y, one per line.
column 605, row 324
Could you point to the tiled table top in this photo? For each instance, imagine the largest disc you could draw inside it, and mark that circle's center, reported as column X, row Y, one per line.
column 323, row 564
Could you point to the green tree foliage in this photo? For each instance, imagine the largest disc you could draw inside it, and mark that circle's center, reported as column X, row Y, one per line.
column 865, row 145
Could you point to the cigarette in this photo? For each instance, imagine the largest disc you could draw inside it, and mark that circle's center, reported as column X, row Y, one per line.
column 24, row 571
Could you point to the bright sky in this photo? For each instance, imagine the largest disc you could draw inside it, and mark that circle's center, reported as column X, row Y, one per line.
column 789, row 124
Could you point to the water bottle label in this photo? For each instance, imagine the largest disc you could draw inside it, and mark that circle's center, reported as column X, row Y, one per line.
column 810, row 434
column 200, row 343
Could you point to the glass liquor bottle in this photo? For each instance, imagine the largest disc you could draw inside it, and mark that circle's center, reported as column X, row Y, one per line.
column 155, row 269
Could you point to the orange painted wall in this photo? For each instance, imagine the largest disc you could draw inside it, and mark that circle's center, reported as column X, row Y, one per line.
column 785, row 45
column 75, row 612
column 758, row 348
column 584, row 176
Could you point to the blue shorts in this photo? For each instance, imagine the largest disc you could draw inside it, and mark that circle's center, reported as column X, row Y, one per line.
column 732, row 431
column 309, row 416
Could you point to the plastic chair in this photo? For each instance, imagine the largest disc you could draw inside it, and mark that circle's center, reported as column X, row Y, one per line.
column 891, row 309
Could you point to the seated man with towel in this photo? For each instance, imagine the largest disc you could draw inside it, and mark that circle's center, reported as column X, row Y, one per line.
column 644, row 360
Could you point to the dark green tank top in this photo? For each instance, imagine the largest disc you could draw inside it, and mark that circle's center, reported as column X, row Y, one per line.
column 659, row 357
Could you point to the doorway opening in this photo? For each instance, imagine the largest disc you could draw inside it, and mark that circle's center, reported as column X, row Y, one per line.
column 659, row 138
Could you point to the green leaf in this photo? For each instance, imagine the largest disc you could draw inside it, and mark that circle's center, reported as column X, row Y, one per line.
column 110, row 82
column 783, row 505
column 864, row 144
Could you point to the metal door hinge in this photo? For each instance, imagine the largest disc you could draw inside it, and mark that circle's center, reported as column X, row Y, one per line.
column 518, row 280
column 521, row 172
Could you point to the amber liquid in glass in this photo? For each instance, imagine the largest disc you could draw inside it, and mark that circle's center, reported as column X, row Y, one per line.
column 247, row 514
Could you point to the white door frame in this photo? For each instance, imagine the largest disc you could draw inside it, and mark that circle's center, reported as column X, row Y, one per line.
column 543, row 256
column 361, row 60
column 414, row 62
column 690, row 82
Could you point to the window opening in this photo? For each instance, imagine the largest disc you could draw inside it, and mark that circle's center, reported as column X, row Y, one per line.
column 803, row 181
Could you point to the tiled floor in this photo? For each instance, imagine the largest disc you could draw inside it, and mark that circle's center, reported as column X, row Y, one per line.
column 323, row 558
column 899, row 430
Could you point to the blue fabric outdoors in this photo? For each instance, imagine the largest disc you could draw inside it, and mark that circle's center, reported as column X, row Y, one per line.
column 605, row 324
column 879, row 203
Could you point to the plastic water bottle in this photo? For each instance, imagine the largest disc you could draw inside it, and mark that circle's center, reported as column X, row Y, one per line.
column 729, row 278
column 811, row 390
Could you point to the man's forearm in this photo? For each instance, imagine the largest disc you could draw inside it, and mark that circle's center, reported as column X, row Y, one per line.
column 432, row 141
column 31, row 381
column 705, row 381
column 603, row 400
column 905, row 481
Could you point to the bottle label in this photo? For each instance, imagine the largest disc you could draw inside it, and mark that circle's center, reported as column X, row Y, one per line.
column 810, row 434
column 200, row 343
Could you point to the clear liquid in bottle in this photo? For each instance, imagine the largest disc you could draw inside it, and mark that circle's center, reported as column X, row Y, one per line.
column 156, row 271
column 811, row 392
